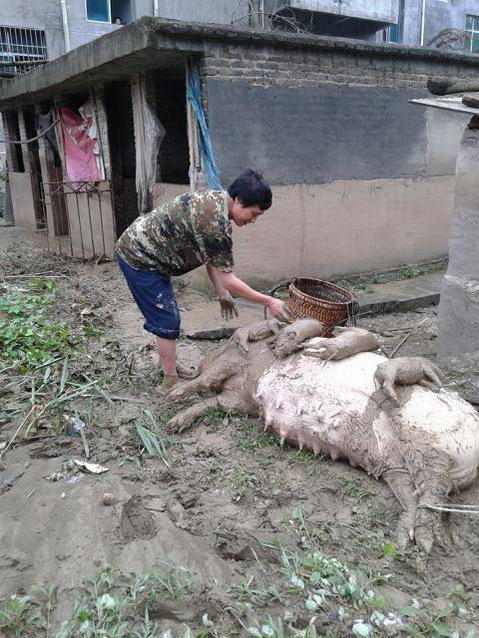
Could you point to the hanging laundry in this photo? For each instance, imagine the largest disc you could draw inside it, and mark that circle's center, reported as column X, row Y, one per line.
column 88, row 113
column 79, row 148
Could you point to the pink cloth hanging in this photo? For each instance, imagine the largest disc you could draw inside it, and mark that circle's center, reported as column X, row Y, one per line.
column 78, row 147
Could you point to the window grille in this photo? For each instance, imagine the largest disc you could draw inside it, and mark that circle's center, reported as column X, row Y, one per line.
column 472, row 29
column 17, row 45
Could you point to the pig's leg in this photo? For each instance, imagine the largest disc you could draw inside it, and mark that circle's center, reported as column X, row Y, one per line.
column 433, row 485
column 227, row 401
column 433, row 373
column 185, row 390
column 429, row 471
column 403, row 489
column 185, row 419
column 214, row 372
column 388, row 389
column 384, row 379
column 241, row 337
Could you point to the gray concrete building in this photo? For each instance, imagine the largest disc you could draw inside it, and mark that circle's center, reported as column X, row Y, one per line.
column 361, row 178
column 450, row 24
column 45, row 29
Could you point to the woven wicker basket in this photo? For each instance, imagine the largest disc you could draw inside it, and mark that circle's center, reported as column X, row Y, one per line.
column 320, row 300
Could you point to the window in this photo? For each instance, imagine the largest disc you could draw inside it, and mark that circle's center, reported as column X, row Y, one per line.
column 98, row 10
column 391, row 33
column 116, row 11
column 472, row 30
column 19, row 45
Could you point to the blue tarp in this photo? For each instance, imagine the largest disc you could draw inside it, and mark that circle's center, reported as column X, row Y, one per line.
column 193, row 95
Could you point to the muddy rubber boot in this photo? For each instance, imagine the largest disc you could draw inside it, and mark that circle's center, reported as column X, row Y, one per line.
column 169, row 382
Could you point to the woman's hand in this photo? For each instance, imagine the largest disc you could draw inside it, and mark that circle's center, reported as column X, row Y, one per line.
column 278, row 309
column 228, row 306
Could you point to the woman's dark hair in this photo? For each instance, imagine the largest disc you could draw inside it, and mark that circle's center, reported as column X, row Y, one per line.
column 251, row 189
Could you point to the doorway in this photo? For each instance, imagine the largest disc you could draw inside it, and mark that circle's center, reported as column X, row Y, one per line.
column 121, row 139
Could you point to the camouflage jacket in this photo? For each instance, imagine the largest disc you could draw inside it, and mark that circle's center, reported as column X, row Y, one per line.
column 190, row 230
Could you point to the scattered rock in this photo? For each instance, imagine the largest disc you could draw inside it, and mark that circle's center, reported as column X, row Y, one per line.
column 108, row 499
column 177, row 514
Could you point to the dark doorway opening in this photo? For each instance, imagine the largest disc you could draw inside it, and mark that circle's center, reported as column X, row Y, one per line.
column 121, row 139
column 170, row 98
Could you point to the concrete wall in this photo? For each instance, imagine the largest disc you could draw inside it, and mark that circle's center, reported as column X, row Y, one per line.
column 213, row 11
column 361, row 178
column 81, row 29
column 22, row 200
column 440, row 15
column 380, row 10
column 346, row 226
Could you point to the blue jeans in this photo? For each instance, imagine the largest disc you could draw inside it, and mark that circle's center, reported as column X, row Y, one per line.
column 155, row 298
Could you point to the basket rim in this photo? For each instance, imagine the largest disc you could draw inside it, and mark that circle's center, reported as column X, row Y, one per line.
column 296, row 290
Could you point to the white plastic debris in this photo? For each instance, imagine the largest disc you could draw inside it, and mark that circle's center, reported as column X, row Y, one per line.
column 296, row 581
column 206, row 621
column 377, row 618
column 94, row 468
column 315, row 600
column 106, row 602
column 361, row 628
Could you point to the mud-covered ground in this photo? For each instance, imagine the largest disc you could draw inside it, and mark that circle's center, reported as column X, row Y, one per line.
column 216, row 532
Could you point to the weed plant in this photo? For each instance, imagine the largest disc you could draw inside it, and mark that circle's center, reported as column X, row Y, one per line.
column 27, row 337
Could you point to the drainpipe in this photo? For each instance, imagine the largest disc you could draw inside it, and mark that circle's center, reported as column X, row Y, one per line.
column 66, row 32
column 156, row 11
column 423, row 21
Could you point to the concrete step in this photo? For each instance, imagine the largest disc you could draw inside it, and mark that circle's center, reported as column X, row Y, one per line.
column 402, row 295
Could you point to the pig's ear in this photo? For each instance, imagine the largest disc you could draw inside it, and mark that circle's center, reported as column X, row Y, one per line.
column 275, row 326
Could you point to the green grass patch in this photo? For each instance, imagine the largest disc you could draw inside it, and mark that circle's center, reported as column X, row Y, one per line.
column 109, row 605
column 28, row 337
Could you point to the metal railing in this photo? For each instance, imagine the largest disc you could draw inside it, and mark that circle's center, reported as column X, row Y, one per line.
column 21, row 49
column 74, row 218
